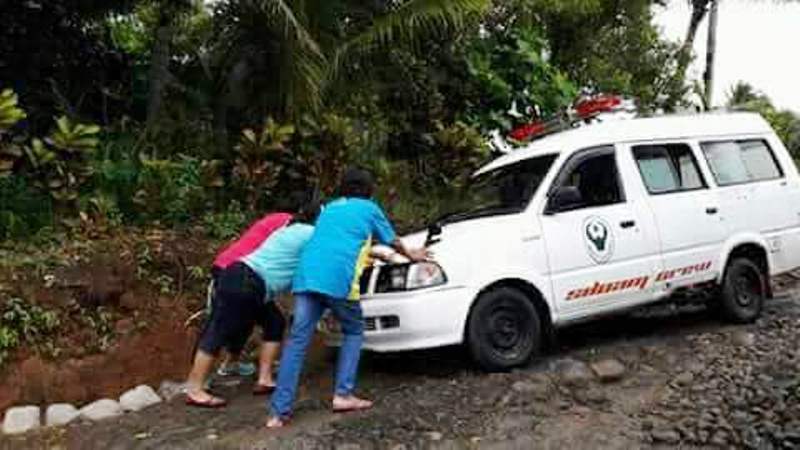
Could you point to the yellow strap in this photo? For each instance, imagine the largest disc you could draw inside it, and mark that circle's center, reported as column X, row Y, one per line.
column 361, row 263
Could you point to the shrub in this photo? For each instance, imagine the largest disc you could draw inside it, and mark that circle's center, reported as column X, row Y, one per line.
column 459, row 151
column 24, row 323
column 23, row 210
column 61, row 164
column 118, row 180
column 100, row 322
column 103, row 211
column 328, row 144
column 260, row 157
column 171, row 191
column 10, row 115
column 226, row 224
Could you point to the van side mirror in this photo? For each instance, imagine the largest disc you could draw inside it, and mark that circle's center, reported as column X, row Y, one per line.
column 563, row 199
column 434, row 231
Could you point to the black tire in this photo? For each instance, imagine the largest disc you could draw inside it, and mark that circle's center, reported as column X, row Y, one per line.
column 743, row 290
column 504, row 330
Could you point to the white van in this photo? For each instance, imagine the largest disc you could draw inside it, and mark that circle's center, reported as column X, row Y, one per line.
column 590, row 221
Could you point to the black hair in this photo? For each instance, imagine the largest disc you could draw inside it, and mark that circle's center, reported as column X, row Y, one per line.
column 357, row 182
column 308, row 207
column 291, row 203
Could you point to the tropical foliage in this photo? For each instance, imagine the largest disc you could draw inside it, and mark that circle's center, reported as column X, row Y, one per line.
column 786, row 123
column 210, row 112
column 10, row 115
column 22, row 323
column 60, row 164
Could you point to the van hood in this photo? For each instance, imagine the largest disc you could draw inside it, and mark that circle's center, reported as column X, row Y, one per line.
column 464, row 238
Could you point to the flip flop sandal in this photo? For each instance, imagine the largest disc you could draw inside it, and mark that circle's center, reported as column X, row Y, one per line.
column 240, row 369
column 347, row 409
column 227, row 371
column 247, row 369
column 260, row 389
column 214, row 403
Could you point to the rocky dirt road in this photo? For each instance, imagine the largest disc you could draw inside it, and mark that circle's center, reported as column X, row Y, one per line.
column 664, row 379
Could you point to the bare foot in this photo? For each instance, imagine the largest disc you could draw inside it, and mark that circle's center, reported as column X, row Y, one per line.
column 276, row 422
column 266, row 380
column 350, row 403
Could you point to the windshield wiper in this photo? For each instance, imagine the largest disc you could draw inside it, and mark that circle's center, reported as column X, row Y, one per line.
column 445, row 218
column 435, row 227
column 466, row 215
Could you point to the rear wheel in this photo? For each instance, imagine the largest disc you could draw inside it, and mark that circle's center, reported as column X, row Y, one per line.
column 744, row 289
column 504, row 330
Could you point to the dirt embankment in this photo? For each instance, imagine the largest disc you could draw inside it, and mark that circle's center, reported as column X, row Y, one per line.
column 121, row 301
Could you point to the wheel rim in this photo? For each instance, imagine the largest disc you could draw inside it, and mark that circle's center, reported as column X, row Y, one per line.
column 747, row 287
column 509, row 330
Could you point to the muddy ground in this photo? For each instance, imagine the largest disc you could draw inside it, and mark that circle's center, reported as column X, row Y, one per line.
column 115, row 296
column 689, row 381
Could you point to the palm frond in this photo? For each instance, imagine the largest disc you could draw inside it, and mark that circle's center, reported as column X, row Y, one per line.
column 407, row 24
column 281, row 11
column 305, row 91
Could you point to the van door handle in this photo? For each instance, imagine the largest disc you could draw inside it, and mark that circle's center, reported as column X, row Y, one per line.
column 711, row 211
column 627, row 223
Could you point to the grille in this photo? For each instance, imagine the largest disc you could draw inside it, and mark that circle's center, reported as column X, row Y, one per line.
column 369, row 324
column 389, row 322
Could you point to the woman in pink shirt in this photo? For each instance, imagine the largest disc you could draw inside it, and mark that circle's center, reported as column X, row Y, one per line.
column 248, row 242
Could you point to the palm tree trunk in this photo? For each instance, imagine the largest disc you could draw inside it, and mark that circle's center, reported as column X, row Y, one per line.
column 232, row 95
column 708, row 76
column 159, row 70
column 220, row 124
column 699, row 11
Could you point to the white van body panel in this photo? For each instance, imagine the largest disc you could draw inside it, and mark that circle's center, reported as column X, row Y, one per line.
column 662, row 242
column 740, row 239
column 478, row 253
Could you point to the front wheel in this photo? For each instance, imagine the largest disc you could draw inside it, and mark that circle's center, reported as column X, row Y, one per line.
column 744, row 289
column 504, row 330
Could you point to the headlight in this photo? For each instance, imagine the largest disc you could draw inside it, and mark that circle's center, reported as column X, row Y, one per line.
column 404, row 277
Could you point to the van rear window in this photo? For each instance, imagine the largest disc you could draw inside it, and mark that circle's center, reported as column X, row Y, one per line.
column 742, row 161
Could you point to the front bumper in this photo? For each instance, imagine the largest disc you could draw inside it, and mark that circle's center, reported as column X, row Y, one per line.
column 410, row 320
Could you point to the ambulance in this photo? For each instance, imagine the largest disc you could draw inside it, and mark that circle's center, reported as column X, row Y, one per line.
column 593, row 220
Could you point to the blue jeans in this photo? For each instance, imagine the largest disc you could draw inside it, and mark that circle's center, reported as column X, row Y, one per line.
column 308, row 309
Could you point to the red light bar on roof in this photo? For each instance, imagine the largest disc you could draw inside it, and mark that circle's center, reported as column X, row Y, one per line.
column 582, row 110
column 527, row 131
column 599, row 104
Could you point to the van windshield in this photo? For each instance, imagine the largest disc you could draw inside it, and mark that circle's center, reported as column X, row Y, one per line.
column 505, row 190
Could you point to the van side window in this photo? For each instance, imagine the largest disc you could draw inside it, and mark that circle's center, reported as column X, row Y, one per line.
column 668, row 168
column 734, row 162
column 597, row 180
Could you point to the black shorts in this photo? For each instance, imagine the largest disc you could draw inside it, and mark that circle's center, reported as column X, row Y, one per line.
column 237, row 306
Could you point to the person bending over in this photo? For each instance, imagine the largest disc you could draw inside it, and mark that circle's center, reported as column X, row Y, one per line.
column 245, row 296
column 327, row 278
column 249, row 241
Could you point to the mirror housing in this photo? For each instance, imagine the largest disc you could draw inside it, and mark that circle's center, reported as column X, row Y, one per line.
column 563, row 199
column 434, row 231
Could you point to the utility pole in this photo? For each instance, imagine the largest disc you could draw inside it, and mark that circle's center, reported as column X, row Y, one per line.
column 708, row 76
